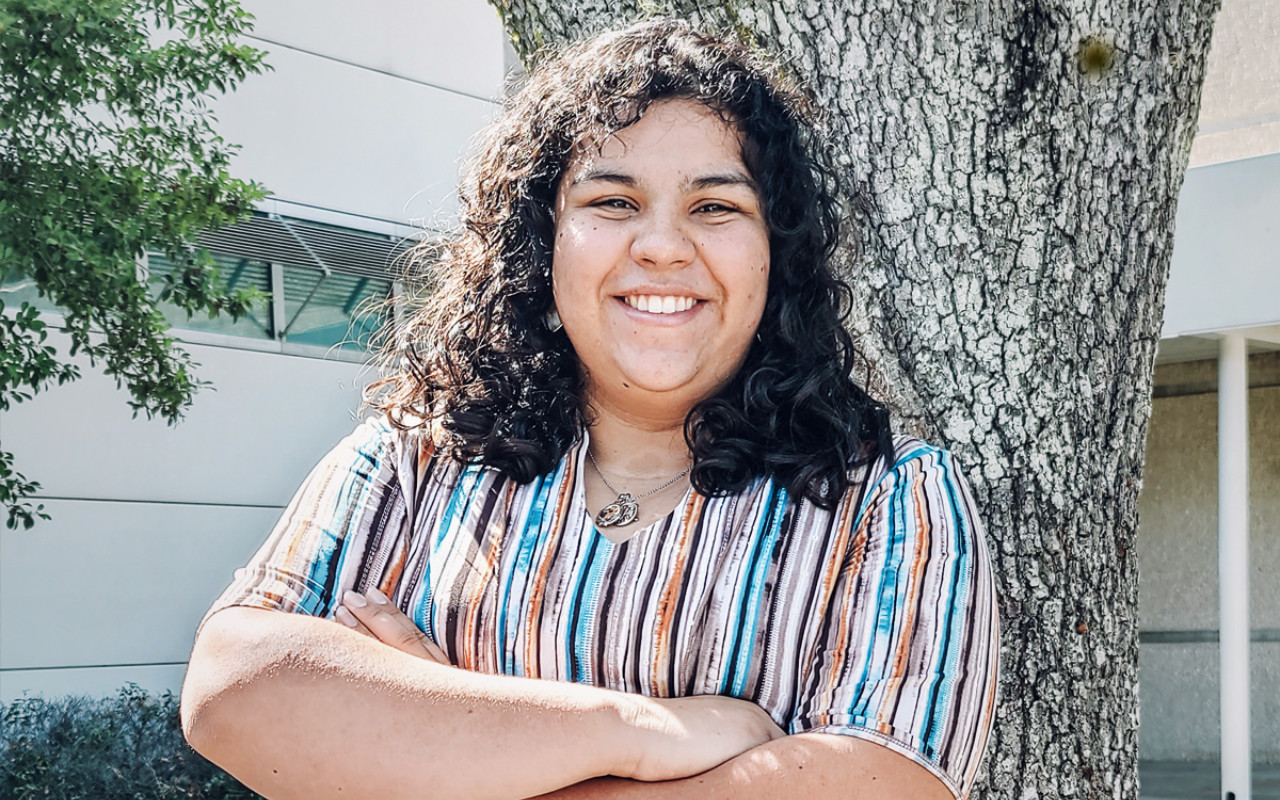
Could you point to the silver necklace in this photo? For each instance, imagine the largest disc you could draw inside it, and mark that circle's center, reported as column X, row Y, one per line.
column 626, row 509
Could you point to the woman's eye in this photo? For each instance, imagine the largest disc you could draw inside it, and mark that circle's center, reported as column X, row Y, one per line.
column 615, row 203
column 715, row 208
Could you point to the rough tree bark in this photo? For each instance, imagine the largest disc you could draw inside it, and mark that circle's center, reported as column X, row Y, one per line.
column 1016, row 167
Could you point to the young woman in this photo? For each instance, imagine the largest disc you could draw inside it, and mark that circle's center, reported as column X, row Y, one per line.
column 623, row 525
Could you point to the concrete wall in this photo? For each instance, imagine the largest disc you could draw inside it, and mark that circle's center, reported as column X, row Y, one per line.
column 369, row 116
column 1240, row 104
column 361, row 124
column 1177, row 557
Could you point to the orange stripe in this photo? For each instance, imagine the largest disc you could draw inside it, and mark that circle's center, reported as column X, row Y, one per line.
column 532, row 668
column 296, row 542
column 667, row 603
column 480, row 580
column 850, row 570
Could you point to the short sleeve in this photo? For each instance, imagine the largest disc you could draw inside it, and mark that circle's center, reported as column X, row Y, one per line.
column 341, row 530
column 908, row 650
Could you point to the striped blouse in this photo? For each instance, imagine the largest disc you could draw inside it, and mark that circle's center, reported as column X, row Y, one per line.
column 876, row 619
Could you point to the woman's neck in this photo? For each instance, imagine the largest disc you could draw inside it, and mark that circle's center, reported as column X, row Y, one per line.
column 639, row 448
column 643, row 456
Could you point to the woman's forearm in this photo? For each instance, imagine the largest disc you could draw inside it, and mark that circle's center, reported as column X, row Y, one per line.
column 812, row 766
column 299, row 707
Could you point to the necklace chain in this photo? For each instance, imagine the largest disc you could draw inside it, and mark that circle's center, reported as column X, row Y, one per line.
column 615, row 490
column 626, row 508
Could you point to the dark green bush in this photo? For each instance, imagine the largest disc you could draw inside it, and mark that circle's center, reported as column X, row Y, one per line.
column 128, row 747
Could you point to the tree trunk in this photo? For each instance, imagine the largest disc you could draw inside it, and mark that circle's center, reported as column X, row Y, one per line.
column 1017, row 167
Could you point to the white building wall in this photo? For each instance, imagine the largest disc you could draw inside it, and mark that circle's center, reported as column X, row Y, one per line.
column 1225, row 276
column 370, row 106
column 363, row 123
column 1225, row 271
column 150, row 520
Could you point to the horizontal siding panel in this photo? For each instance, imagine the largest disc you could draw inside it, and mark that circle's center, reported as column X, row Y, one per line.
column 118, row 584
column 331, row 135
column 90, row 682
column 248, row 440
column 455, row 44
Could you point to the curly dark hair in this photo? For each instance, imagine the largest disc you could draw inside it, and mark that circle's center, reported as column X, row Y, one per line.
column 477, row 364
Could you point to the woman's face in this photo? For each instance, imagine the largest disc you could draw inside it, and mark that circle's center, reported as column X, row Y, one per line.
column 661, row 261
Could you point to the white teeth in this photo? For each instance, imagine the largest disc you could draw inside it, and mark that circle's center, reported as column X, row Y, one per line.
column 660, row 304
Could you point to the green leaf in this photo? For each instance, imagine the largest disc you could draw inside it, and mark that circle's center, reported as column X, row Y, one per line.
column 83, row 197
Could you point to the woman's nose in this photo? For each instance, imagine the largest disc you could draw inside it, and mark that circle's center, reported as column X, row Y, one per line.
column 661, row 241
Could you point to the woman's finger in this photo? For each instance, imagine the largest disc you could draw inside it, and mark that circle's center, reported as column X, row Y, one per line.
column 344, row 615
column 390, row 626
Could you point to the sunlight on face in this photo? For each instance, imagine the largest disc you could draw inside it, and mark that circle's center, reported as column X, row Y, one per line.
column 661, row 261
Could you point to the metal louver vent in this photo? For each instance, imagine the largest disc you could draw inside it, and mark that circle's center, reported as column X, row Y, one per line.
column 275, row 239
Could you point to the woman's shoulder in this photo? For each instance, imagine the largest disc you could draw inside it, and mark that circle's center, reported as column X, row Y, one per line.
column 913, row 462
column 403, row 442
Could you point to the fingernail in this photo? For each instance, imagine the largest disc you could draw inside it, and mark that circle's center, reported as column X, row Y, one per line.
column 377, row 597
column 346, row 617
column 354, row 600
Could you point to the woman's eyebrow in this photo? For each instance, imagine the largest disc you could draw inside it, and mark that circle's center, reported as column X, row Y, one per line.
column 723, row 179
column 604, row 175
column 713, row 180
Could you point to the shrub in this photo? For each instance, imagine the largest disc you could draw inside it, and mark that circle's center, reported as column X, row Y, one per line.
column 127, row 747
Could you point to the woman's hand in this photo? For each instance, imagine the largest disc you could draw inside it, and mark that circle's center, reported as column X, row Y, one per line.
column 678, row 737
column 377, row 617
column 673, row 737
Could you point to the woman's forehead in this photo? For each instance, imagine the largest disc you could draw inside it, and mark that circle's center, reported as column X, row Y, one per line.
column 676, row 132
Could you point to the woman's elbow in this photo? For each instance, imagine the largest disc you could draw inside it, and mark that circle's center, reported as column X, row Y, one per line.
column 220, row 676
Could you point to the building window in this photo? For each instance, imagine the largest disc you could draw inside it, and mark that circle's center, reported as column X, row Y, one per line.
column 237, row 273
column 325, row 288
column 332, row 310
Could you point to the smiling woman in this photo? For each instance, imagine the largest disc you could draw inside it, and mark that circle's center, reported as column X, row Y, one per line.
column 623, row 526
column 661, row 261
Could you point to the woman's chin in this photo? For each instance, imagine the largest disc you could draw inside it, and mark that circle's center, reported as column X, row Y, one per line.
column 684, row 387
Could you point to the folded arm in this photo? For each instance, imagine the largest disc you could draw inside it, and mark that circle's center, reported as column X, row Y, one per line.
column 813, row 766
column 299, row 707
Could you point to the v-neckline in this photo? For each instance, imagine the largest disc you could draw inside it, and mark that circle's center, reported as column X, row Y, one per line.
column 578, row 502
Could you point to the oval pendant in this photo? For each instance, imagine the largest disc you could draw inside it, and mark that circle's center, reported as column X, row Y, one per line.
column 620, row 512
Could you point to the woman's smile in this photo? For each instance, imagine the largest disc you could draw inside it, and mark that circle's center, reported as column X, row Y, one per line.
column 661, row 262
column 659, row 304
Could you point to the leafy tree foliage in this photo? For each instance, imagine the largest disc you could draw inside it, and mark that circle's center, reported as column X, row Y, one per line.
column 107, row 148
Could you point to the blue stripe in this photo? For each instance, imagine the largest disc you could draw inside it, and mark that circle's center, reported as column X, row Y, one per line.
column 941, row 702
column 758, row 569
column 348, row 505
column 584, row 626
column 886, row 593
column 544, row 489
column 734, row 624
column 423, row 613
